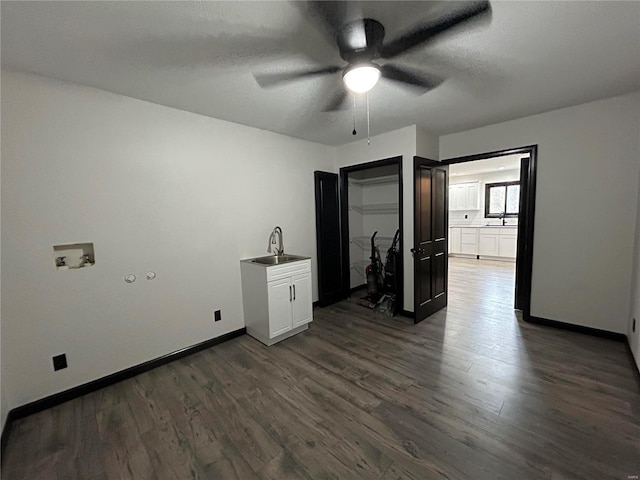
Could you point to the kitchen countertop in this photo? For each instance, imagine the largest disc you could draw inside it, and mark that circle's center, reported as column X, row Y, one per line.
column 483, row 226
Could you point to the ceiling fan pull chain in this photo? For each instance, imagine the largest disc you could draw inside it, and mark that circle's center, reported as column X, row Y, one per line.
column 354, row 116
column 368, row 127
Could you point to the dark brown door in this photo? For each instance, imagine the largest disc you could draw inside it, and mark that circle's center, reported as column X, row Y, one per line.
column 430, row 248
column 330, row 282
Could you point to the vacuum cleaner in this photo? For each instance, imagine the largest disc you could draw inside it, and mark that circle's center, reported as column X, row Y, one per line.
column 374, row 275
column 383, row 282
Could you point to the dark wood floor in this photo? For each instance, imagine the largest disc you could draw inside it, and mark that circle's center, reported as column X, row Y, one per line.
column 472, row 393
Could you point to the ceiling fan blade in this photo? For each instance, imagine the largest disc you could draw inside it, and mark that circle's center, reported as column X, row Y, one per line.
column 222, row 50
column 473, row 11
column 418, row 80
column 268, row 80
column 338, row 101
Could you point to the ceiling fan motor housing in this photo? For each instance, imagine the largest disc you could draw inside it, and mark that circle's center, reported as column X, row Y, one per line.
column 360, row 41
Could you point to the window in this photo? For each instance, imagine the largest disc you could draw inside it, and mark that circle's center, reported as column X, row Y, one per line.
column 501, row 199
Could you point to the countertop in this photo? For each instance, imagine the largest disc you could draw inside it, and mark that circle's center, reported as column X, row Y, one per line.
column 483, row 226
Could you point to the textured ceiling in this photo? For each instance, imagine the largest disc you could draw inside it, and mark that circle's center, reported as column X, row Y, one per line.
column 200, row 56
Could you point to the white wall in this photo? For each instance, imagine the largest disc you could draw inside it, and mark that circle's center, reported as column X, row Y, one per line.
column 356, row 225
column 634, row 337
column 587, row 185
column 400, row 142
column 427, row 145
column 4, row 405
column 5, row 409
column 385, row 224
column 155, row 189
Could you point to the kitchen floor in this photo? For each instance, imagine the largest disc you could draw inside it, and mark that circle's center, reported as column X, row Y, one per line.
column 483, row 286
column 470, row 393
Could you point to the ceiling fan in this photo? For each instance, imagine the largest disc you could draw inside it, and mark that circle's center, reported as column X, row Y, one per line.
column 361, row 44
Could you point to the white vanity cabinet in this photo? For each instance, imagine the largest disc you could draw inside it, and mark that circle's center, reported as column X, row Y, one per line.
column 277, row 299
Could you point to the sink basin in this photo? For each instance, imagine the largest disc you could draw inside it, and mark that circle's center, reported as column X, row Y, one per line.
column 277, row 259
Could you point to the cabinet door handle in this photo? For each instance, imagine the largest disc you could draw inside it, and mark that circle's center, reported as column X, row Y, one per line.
column 289, row 292
column 294, row 292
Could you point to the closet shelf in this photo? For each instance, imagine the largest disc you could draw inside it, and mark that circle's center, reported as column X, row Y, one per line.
column 380, row 208
column 383, row 243
column 376, row 181
column 359, row 267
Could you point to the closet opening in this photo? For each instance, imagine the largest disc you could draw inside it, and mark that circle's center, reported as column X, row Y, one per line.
column 371, row 204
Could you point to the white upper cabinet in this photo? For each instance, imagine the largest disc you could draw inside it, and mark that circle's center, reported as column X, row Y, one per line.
column 464, row 196
column 456, row 196
column 473, row 196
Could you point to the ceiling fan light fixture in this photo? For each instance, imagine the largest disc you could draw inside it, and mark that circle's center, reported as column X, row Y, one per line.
column 361, row 78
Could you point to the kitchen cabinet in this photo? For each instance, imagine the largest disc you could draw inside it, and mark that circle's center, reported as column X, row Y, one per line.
column 498, row 241
column 277, row 299
column 488, row 241
column 464, row 196
column 469, row 240
column 456, row 197
column 454, row 240
column 493, row 241
column 508, row 242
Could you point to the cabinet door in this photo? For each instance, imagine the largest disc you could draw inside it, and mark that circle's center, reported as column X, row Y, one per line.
column 280, row 299
column 452, row 198
column 456, row 197
column 454, row 240
column 469, row 241
column 507, row 246
column 472, row 196
column 488, row 243
column 461, row 194
column 302, row 300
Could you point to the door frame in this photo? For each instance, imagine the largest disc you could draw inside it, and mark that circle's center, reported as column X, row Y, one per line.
column 524, row 253
column 344, row 220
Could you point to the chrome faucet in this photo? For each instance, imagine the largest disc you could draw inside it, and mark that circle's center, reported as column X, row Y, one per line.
column 272, row 241
column 503, row 217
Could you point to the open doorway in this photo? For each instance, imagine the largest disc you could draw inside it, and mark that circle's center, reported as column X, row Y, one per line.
column 490, row 213
column 483, row 230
